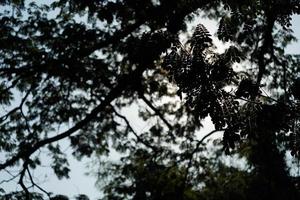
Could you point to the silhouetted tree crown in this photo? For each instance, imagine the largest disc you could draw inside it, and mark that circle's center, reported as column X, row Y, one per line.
column 69, row 69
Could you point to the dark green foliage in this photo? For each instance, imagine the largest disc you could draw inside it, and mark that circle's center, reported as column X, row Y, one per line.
column 81, row 197
column 246, row 88
column 59, row 197
column 21, row 196
column 68, row 70
column 295, row 89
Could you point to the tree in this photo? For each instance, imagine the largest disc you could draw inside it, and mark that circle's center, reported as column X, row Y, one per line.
column 75, row 75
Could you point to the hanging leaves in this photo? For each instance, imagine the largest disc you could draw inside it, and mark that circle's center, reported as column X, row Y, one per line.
column 201, row 38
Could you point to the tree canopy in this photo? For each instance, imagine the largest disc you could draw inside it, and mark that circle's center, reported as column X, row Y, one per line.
column 68, row 69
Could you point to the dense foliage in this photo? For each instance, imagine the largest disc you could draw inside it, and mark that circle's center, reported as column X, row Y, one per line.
column 69, row 68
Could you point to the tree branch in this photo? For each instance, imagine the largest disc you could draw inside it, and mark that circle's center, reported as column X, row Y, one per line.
column 191, row 155
column 12, row 178
column 267, row 43
column 114, row 38
column 19, row 107
column 157, row 112
column 202, row 140
column 21, row 180
column 124, row 82
column 25, row 154
column 132, row 130
column 34, row 184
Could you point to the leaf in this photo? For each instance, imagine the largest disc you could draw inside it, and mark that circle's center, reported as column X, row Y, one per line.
column 201, row 38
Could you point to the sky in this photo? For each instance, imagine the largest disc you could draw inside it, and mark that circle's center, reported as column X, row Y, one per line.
column 80, row 183
column 295, row 47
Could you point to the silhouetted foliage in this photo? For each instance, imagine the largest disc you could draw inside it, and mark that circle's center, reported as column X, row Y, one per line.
column 68, row 69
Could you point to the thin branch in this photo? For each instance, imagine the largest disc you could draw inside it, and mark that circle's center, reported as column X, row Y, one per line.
column 21, row 180
column 13, row 84
column 191, row 155
column 132, row 130
column 241, row 98
column 124, row 82
column 11, row 179
column 204, row 138
column 157, row 112
column 19, row 107
column 4, row 117
column 114, row 38
column 25, row 154
column 34, row 184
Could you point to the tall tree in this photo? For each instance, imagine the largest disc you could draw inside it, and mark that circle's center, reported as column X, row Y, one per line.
column 77, row 64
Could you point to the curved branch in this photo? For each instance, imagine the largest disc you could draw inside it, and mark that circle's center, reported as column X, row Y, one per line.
column 157, row 112
column 114, row 38
column 132, row 130
column 124, row 82
column 191, row 155
column 25, row 154
column 19, row 107
column 204, row 138
column 34, row 184
column 21, row 180
column 11, row 179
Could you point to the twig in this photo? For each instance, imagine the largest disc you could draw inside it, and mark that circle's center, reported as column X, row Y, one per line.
column 132, row 130
column 191, row 155
column 34, row 184
column 157, row 112
column 19, row 107
column 12, row 178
